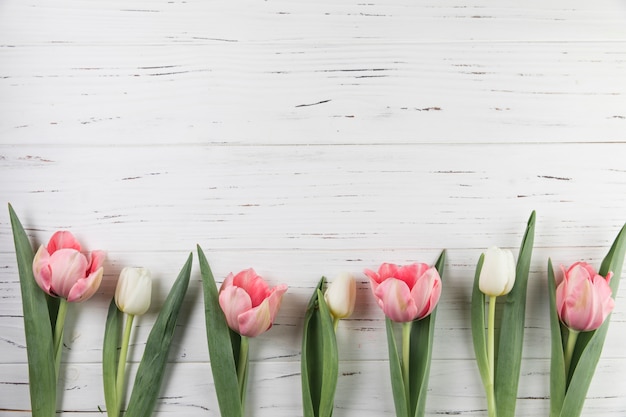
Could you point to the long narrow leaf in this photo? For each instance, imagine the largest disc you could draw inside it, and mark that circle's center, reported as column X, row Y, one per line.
column 397, row 384
column 509, row 355
column 312, row 356
column 557, row 361
column 110, row 357
column 39, row 341
column 593, row 342
column 220, row 347
column 479, row 337
column 422, row 336
column 330, row 364
column 152, row 366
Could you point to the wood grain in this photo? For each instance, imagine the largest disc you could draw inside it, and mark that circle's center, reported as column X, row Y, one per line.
column 306, row 139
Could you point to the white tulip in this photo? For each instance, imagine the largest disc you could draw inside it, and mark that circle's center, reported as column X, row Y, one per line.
column 134, row 291
column 341, row 296
column 497, row 275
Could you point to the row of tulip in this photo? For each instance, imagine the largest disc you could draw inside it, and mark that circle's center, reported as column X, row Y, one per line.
column 245, row 306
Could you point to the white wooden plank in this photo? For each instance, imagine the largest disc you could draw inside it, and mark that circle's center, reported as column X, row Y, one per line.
column 363, row 389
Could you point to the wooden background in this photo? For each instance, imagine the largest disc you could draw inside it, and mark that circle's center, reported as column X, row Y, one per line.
column 305, row 139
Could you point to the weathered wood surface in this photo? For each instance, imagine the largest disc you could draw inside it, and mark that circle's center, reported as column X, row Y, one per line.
column 306, row 139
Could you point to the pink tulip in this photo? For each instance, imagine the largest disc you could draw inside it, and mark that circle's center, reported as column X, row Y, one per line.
column 248, row 303
column 406, row 293
column 61, row 270
column 583, row 298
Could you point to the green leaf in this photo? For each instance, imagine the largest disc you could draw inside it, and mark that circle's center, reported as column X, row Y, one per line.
column 589, row 344
column 557, row 361
column 39, row 338
column 421, row 347
column 220, row 346
column 110, row 358
column 397, row 383
column 320, row 359
column 152, row 366
column 509, row 354
column 479, row 337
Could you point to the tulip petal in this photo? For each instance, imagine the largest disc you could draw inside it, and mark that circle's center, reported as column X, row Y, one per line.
column 63, row 240
column 426, row 292
column 234, row 301
column 253, row 284
column 394, row 297
column 85, row 288
column 96, row 260
column 41, row 269
column 275, row 298
column 67, row 266
column 411, row 273
column 387, row 271
column 256, row 320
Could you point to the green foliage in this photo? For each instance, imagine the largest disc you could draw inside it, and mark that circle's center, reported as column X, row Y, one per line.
column 152, row 366
column 37, row 326
column 223, row 363
column 320, row 359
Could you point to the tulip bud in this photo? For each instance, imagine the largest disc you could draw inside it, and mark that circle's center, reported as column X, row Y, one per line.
column 133, row 291
column 497, row 275
column 583, row 297
column 341, row 295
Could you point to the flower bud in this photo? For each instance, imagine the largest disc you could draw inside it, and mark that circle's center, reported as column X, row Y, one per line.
column 497, row 275
column 341, row 296
column 133, row 291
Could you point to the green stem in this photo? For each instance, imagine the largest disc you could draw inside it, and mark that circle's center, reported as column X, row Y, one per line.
column 569, row 350
column 491, row 329
column 406, row 354
column 121, row 365
column 242, row 369
column 335, row 324
column 58, row 335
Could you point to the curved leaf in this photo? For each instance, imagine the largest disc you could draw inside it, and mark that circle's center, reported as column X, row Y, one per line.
column 479, row 338
column 397, row 383
column 110, row 358
column 557, row 361
column 152, row 366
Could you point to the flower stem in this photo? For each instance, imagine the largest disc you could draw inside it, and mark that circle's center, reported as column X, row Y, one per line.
column 569, row 350
column 491, row 329
column 242, row 370
column 58, row 335
column 406, row 354
column 335, row 324
column 121, row 365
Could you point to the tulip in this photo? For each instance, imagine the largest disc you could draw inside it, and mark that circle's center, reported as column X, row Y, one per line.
column 249, row 304
column 61, row 270
column 583, row 298
column 497, row 275
column 133, row 291
column 406, row 293
column 341, row 296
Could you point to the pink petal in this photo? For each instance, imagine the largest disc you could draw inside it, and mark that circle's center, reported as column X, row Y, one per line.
column 96, row 260
column 234, row 301
column 394, row 297
column 67, row 266
column 374, row 279
column 387, row 271
column 41, row 269
column 426, row 292
column 227, row 282
column 255, row 321
column 275, row 298
column 411, row 273
column 85, row 288
column 253, row 284
column 63, row 240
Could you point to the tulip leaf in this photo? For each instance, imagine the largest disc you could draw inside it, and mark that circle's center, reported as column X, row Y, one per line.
column 39, row 339
column 220, row 345
column 421, row 347
column 395, row 367
column 110, row 358
column 152, row 366
column 509, row 354
column 557, row 361
column 319, row 362
column 589, row 344
column 479, row 337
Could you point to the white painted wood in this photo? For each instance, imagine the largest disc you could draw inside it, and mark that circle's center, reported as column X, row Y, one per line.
column 305, row 139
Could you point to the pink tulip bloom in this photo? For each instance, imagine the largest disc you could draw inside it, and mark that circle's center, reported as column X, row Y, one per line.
column 583, row 298
column 61, row 270
column 249, row 304
column 406, row 293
